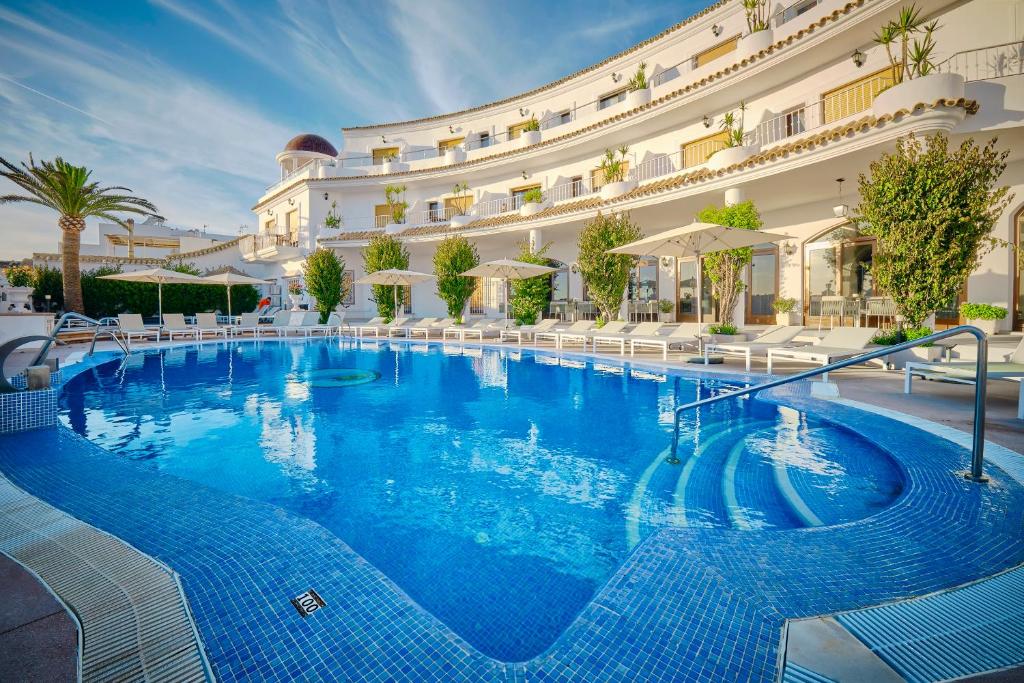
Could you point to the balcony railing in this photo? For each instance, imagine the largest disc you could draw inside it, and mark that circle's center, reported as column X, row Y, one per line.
column 574, row 189
column 252, row 244
column 986, row 63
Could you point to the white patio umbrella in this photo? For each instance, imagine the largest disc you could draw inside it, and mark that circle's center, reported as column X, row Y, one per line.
column 507, row 269
column 228, row 279
column 159, row 277
column 696, row 240
column 393, row 277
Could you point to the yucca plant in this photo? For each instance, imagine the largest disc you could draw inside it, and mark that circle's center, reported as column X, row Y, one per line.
column 758, row 13
column 461, row 192
column 733, row 125
column 396, row 205
column 639, row 80
column 914, row 57
column 613, row 165
column 531, row 125
column 67, row 190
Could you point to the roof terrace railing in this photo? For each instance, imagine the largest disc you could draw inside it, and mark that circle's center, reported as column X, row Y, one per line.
column 986, row 63
column 976, row 472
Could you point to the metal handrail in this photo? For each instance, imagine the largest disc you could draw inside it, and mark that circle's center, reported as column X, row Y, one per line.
column 980, row 385
column 68, row 317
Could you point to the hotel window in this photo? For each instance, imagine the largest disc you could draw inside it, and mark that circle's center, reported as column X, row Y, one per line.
column 856, row 96
column 520, row 191
column 517, row 130
column 434, row 213
column 796, row 9
column 381, row 215
column 576, row 186
column 291, row 221
column 713, row 53
column 643, row 281
column 563, row 117
column 458, row 205
column 381, row 154
column 445, row 145
column 597, row 176
column 485, row 140
column 269, row 226
column 611, row 98
column 698, row 151
column 348, row 279
column 476, row 300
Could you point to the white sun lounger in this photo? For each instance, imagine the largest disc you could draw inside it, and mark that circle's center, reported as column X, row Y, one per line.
column 684, row 335
column 279, row 320
column 839, row 343
column 293, row 323
column 773, row 338
column 518, row 333
column 609, row 329
column 373, row 325
column 405, row 330
column 577, row 327
column 174, row 324
column 1010, row 369
column 477, row 329
column 621, row 338
column 332, row 327
column 131, row 326
column 247, row 322
column 207, row 323
column 424, row 330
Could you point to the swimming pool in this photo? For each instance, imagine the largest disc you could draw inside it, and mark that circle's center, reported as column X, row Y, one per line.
column 498, row 488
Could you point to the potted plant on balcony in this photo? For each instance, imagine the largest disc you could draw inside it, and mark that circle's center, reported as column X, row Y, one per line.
column 665, row 310
column 735, row 151
column 639, row 88
column 397, row 207
column 393, row 163
column 785, row 311
column 295, row 294
column 759, row 30
column 533, row 202
column 614, row 171
column 914, row 79
column 20, row 282
column 531, row 133
column 985, row 317
column 333, row 219
column 460, row 215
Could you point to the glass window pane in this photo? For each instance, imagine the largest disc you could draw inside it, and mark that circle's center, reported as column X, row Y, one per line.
column 762, row 284
column 857, row 281
column 821, row 276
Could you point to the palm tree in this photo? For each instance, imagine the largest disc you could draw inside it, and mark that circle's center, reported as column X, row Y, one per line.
column 66, row 189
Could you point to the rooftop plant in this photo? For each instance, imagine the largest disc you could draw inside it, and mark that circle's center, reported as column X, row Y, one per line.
column 323, row 272
column 758, row 13
column 613, row 165
column 606, row 275
column 66, row 189
column 397, row 206
column 915, row 41
column 982, row 311
column 333, row 218
column 382, row 253
column 639, row 80
column 454, row 255
column 931, row 210
column 725, row 268
column 532, row 125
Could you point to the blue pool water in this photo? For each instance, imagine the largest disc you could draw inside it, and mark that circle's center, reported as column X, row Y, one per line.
column 498, row 489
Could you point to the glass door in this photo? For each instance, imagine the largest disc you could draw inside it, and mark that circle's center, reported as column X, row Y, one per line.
column 763, row 276
column 1018, row 276
column 686, row 302
column 820, row 264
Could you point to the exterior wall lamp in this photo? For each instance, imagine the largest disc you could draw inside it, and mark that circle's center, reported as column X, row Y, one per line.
column 616, row 77
column 524, row 175
column 383, row 139
column 451, row 130
column 325, row 196
column 523, row 111
column 788, row 248
column 717, row 30
column 666, row 262
column 291, row 202
column 858, row 58
column 707, row 121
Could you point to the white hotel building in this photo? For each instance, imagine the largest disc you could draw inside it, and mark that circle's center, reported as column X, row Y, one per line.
column 814, row 113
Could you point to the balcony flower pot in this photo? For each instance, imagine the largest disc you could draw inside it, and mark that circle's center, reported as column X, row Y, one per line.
column 529, row 137
column 458, row 220
column 755, row 42
column 989, row 327
column 455, row 155
column 394, row 228
column 924, row 90
column 295, row 300
column 531, row 208
column 19, row 296
column 394, row 167
column 724, row 158
column 728, row 338
column 791, row 318
column 638, row 98
column 613, row 190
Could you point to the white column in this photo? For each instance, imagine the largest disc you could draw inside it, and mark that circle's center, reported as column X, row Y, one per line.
column 536, row 239
column 734, row 195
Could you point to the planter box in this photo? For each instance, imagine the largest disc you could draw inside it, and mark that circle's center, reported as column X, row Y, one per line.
column 529, row 137
column 531, row 208
column 638, row 98
column 755, row 42
column 906, row 96
column 394, row 228
column 791, row 318
column 394, row 167
column 728, row 338
column 725, row 158
column 989, row 327
column 459, row 220
column 666, row 317
column 19, row 296
column 613, row 190
column 454, row 156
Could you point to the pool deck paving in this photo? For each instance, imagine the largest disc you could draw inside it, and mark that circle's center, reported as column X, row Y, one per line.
column 688, row 604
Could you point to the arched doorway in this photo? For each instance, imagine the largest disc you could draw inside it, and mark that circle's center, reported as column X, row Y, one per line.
column 837, row 263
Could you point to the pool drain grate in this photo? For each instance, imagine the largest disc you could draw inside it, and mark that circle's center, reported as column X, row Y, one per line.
column 332, row 378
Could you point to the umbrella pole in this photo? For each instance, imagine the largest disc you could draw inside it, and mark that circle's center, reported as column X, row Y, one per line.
column 229, row 304
column 504, row 294
column 160, row 304
column 700, row 306
column 396, row 301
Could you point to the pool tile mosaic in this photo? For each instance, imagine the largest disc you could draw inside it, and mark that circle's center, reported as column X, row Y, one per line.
column 25, row 410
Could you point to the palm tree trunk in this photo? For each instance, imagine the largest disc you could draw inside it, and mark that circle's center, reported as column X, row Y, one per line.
column 70, row 262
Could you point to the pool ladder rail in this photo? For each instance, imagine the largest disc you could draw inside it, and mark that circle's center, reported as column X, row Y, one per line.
column 976, row 472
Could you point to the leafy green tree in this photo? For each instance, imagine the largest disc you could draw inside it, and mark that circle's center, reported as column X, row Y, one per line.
column 385, row 252
column 931, row 211
column 607, row 275
column 323, row 274
column 725, row 268
column 49, row 281
column 530, row 295
column 455, row 254
column 66, row 189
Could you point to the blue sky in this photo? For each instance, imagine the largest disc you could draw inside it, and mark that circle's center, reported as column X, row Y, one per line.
column 187, row 102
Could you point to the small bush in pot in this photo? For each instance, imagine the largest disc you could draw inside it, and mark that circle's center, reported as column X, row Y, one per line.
column 983, row 316
column 21, row 276
column 532, row 125
column 639, row 80
column 534, row 196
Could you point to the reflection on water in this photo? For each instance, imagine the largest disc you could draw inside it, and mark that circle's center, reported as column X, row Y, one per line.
column 519, row 480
